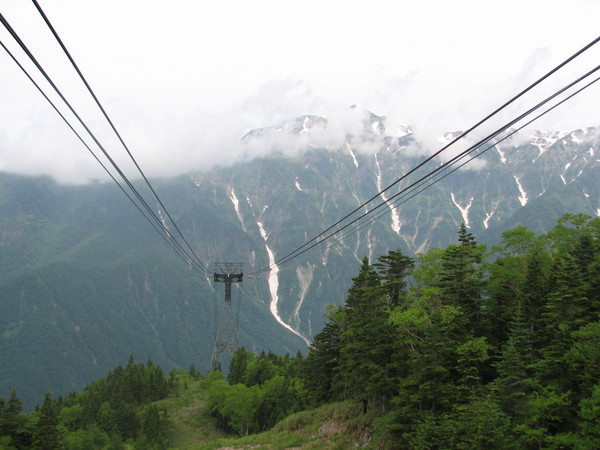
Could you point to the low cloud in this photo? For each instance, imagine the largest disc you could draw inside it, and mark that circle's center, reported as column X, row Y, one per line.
column 184, row 83
column 171, row 136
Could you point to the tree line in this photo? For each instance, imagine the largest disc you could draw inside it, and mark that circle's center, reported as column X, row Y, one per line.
column 110, row 413
column 462, row 347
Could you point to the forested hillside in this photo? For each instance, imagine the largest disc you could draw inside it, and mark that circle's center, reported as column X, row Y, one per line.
column 85, row 281
column 464, row 347
column 461, row 347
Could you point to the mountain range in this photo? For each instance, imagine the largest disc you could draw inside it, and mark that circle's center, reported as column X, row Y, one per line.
column 86, row 282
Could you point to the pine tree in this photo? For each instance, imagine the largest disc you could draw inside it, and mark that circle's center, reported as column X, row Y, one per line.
column 46, row 434
column 584, row 357
column 393, row 269
column 461, row 279
column 535, row 287
column 515, row 380
column 194, row 374
column 321, row 366
column 564, row 313
column 365, row 356
column 12, row 420
column 259, row 370
column 589, row 428
column 506, row 282
column 151, row 425
column 239, row 363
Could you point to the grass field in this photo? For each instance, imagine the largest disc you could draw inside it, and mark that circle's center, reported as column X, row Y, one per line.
column 334, row 426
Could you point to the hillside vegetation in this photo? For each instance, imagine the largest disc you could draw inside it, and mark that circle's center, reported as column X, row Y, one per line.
column 463, row 347
column 85, row 281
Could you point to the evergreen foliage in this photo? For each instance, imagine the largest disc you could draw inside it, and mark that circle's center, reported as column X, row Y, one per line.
column 499, row 354
column 255, row 399
column 109, row 412
column 461, row 348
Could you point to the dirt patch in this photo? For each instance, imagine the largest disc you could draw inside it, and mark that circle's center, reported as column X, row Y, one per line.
column 329, row 429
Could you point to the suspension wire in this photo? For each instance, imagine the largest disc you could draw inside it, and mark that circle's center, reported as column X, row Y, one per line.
column 295, row 253
column 161, row 234
column 49, row 80
column 443, row 167
column 462, row 135
column 81, row 139
column 481, row 152
column 83, row 79
column 165, row 231
column 365, row 221
column 406, row 198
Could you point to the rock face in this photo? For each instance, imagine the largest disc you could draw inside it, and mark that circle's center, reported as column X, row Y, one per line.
column 86, row 282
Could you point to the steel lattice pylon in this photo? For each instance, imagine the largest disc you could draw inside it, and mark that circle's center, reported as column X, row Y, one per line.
column 226, row 336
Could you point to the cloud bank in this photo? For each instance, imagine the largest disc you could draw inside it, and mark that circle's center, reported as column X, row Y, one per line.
column 184, row 80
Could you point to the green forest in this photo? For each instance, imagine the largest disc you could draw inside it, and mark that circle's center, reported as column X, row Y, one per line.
column 466, row 347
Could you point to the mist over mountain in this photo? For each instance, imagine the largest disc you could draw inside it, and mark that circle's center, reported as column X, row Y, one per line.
column 86, row 281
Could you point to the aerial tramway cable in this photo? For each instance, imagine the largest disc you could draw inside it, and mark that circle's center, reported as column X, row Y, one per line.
column 110, row 122
column 320, row 238
column 166, row 234
column 365, row 220
column 82, row 141
column 462, row 135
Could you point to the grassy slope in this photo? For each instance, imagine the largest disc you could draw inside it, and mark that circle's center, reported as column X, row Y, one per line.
column 190, row 423
column 334, row 426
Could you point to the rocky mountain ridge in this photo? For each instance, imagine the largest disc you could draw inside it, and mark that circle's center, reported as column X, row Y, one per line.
column 86, row 282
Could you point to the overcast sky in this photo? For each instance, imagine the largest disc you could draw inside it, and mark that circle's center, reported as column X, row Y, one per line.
column 184, row 79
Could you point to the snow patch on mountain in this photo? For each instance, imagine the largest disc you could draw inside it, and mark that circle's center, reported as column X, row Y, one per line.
column 236, row 205
column 577, row 136
column 544, row 140
column 402, row 130
column 489, row 214
column 523, row 195
column 273, row 282
column 464, row 210
column 370, row 244
column 394, row 212
column 325, row 255
column 352, row 154
column 501, row 154
column 412, row 238
column 162, row 220
column 305, row 125
column 305, row 276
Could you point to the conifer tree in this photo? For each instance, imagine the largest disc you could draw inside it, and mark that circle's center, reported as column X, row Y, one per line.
column 393, row 269
column 365, row 356
column 259, row 370
column 515, row 380
column 321, row 366
column 461, row 278
column 506, row 282
column 565, row 311
column 12, row 420
column 151, row 429
column 535, row 288
column 239, row 363
column 584, row 357
column 46, row 434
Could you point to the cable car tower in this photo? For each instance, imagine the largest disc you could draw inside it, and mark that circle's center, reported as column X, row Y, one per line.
column 226, row 336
